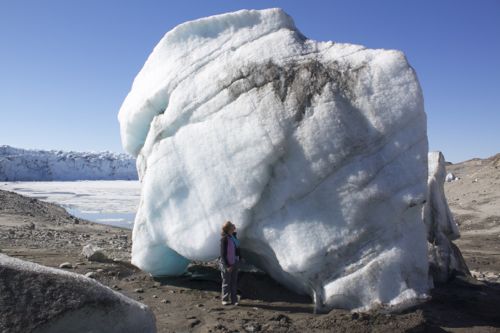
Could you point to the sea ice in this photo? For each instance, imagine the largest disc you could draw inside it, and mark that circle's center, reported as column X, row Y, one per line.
column 317, row 151
column 112, row 202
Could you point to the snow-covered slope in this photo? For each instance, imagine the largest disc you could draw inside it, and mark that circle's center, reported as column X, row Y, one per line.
column 317, row 151
column 32, row 165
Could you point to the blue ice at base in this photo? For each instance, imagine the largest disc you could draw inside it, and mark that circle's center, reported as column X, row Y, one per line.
column 160, row 260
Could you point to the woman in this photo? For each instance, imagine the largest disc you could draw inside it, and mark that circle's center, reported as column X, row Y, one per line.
column 229, row 259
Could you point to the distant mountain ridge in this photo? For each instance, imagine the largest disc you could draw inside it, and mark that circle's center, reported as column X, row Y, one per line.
column 18, row 164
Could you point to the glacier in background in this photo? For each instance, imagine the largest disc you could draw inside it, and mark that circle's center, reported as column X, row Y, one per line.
column 42, row 165
column 317, row 151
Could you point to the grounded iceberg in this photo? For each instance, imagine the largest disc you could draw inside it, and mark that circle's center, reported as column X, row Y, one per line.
column 317, row 151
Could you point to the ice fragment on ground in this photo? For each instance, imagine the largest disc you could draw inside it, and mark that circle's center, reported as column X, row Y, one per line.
column 316, row 150
column 445, row 259
column 94, row 253
column 450, row 177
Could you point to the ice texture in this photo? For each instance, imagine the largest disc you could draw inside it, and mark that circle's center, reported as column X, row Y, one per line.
column 445, row 258
column 37, row 298
column 37, row 165
column 317, row 151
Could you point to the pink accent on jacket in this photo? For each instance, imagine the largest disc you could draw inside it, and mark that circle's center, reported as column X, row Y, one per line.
column 231, row 252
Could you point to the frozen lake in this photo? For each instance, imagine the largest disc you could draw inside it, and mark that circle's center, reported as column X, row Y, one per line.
column 112, row 202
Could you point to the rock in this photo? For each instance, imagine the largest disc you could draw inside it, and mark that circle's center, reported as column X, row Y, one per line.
column 94, row 253
column 193, row 322
column 65, row 265
column 281, row 318
column 253, row 327
column 317, row 151
column 139, row 290
column 445, row 259
column 91, row 275
column 43, row 299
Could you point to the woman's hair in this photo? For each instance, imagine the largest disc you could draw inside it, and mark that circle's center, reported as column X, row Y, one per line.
column 226, row 227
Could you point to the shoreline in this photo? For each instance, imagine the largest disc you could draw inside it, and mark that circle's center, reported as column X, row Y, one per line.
column 109, row 202
column 46, row 234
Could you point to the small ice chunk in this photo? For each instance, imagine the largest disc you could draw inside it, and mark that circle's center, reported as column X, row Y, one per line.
column 450, row 177
column 94, row 253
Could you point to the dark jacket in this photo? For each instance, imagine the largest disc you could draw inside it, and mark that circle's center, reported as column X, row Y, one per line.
column 223, row 249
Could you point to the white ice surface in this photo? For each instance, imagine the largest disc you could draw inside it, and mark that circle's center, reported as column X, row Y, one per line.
column 112, row 202
column 316, row 150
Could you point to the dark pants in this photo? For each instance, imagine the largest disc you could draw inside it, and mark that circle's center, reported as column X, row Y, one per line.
column 230, row 284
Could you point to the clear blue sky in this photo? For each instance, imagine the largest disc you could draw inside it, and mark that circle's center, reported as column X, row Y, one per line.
column 66, row 66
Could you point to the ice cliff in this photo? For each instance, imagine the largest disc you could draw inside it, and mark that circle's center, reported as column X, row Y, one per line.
column 317, row 151
column 38, row 165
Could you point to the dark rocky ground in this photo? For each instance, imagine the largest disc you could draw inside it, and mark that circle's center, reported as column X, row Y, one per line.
column 44, row 233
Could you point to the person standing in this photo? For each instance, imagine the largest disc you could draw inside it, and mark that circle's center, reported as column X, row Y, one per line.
column 229, row 261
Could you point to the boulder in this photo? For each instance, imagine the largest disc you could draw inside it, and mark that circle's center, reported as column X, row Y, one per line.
column 35, row 298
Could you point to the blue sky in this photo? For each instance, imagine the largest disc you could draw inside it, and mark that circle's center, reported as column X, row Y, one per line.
column 66, row 66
